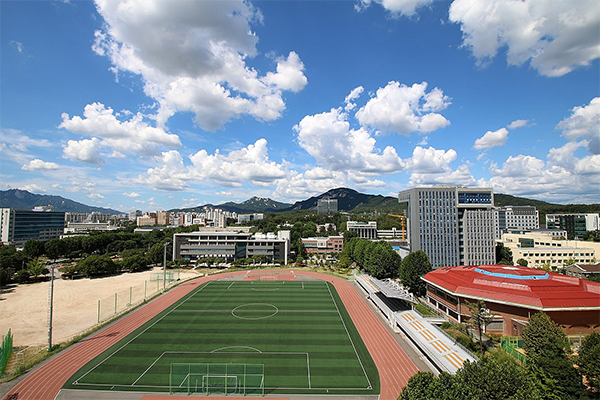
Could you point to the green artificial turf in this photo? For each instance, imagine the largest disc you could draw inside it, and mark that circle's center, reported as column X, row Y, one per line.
column 299, row 331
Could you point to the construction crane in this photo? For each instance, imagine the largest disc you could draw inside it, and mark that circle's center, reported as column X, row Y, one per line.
column 402, row 221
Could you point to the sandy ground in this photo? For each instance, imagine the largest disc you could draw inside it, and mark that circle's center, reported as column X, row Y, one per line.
column 24, row 308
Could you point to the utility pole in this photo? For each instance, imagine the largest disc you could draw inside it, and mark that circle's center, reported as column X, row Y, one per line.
column 165, row 266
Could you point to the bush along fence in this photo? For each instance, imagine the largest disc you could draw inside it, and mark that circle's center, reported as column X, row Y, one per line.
column 5, row 350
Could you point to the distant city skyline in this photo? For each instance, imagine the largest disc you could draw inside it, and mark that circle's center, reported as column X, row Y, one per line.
column 151, row 106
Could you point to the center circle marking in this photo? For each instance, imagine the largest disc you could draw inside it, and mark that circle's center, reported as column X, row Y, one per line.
column 261, row 311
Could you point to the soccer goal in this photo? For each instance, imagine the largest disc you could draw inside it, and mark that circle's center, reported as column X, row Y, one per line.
column 209, row 378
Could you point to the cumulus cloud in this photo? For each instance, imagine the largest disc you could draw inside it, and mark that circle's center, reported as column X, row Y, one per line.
column 132, row 135
column 193, row 57
column 85, row 151
column 39, row 165
column 584, row 123
column 354, row 94
column 396, row 8
column 405, row 109
column 556, row 37
column 131, row 195
column 328, row 138
column 491, row 139
column 249, row 164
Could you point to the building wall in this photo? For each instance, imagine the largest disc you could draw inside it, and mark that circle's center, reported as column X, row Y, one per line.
column 19, row 226
column 576, row 225
column 324, row 245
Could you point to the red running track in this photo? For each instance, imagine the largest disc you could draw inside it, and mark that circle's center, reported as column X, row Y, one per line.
column 394, row 366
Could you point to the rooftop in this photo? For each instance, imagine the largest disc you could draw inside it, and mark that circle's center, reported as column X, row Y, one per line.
column 521, row 286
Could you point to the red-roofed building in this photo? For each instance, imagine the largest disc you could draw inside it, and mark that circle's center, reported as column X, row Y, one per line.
column 513, row 294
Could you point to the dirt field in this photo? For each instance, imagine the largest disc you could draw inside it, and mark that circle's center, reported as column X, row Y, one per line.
column 24, row 308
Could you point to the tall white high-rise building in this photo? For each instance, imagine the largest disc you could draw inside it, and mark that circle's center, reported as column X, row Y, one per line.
column 454, row 225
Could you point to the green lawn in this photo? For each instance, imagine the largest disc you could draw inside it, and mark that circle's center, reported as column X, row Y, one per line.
column 299, row 331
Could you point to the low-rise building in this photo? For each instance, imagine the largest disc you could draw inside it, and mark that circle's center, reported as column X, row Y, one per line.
column 584, row 271
column 513, row 294
column 543, row 250
column 364, row 230
column 323, row 245
column 231, row 246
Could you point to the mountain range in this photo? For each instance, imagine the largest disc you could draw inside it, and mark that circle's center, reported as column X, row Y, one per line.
column 24, row 200
column 348, row 200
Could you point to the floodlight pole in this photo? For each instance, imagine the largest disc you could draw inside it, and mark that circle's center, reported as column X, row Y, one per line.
column 165, row 266
column 50, row 313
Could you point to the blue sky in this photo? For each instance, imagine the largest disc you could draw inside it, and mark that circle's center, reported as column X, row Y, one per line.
column 158, row 104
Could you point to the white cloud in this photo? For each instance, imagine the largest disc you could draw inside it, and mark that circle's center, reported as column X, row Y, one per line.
column 565, row 156
column 405, row 109
column 133, row 135
column 33, row 188
column 491, row 139
column 39, row 165
column 85, row 151
column 520, row 166
column 131, row 195
column 354, row 94
column 193, row 57
column 328, row 138
column 555, row 36
column 584, row 123
column 519, row 123
column 169, row 175
column 397, row 8
column 248, row 164
column 95, row 196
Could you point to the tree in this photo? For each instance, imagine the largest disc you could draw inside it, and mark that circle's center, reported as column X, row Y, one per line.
column 134, row 263
column 588, row 360
column 480, row 319
column 413, row 267
column 382, row 261
column 522, row 262
column 504, row 255
column 546, row 346
column 33, row 248
column 348, row 235
column 97, row 265
column 36, row 267
column 55, row 248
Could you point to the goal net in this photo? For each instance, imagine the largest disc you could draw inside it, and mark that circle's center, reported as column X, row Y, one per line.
column 209, row 378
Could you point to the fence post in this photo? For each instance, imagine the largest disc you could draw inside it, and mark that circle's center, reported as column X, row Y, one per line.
column 145, row 288
column 115, row 303
column 130, row 295
column 98, row 311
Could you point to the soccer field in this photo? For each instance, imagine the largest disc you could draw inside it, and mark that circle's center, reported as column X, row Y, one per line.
column 243, row 337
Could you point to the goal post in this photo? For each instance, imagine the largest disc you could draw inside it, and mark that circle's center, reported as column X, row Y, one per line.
column 211, row 378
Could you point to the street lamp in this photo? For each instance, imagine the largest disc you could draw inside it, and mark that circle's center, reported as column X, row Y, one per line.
column 165, row 265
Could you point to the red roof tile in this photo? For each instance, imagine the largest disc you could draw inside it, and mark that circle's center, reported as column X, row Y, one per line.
column 518, row 285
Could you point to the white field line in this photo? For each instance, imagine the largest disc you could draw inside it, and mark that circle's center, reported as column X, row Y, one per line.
column 349, row 337
column 308, row 369
column 230, row 285
column 151, row 365
column 139, row 334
